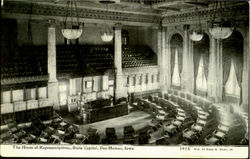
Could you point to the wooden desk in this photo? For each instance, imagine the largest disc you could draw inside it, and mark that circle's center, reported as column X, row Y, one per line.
column 181, row 114
column 203, row 117
column 197, row 128
column 180, row 118
column 201, row 122
column 177, row 123
column 212, row 140
column 170, row 128
column 220, row 134
column 180, row 110
column 223, row 128
column 189, row 134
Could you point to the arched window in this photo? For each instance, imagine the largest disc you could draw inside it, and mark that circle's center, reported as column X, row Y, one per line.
column 176, row 47
column 176, row 80
column 232, row 86
column 201, row 81
column 201, row 60
column 232, row 56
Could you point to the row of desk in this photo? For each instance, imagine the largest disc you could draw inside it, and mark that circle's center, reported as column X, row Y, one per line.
column 174, row 125
column 53, row 131
column 192, row 133
column 219, row 135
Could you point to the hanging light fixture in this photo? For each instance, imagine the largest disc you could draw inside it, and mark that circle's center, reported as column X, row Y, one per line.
column 220, row 27
column 107, row 33
column 72, row 29
column 197, row 32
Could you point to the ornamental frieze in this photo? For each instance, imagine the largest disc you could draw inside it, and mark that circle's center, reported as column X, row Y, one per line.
column 239, row 13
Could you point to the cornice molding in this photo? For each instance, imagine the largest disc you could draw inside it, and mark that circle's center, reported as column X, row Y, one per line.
column 240, row 12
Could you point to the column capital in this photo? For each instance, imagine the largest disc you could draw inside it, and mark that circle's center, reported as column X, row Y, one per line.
column 186, row 27
column 52, row 23
column 118, row 26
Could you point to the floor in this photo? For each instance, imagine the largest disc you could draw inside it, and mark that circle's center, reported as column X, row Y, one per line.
column 140, row 120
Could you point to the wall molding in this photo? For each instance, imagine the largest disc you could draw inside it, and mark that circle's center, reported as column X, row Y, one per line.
column 16, row 80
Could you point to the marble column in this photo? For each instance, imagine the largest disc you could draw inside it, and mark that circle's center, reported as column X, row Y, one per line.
column 219, row 71
column 212, row 81
column 159, row 43
column 245, row 74
column 159, row 57
column 119, row 88
column 53, row 94
column 167, row 61
column 165, row 68
column 191, row 67
column 185, row 81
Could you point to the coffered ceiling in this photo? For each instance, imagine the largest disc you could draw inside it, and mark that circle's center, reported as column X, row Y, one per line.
column 131, row 12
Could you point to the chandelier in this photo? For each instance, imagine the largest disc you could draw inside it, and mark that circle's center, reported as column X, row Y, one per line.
column 220, row 28
column 71, row 29
column 197, row 33
column 107, row 33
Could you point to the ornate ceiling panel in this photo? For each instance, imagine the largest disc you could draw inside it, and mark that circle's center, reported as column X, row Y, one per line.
column 131, row 12
column 15, row 7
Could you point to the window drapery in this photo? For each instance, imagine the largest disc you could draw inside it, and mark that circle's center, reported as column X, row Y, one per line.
column 232, row 86
column 176, row 50
column 176, row 81
column 201, row 61
column 201, row 81
column 196, row 56
column 173, row 55
column 172, row 60
column 233, row 59
column 238, row 66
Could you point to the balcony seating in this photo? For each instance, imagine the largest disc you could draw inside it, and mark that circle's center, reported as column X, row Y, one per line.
column 137, row 56
column 32, row 61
